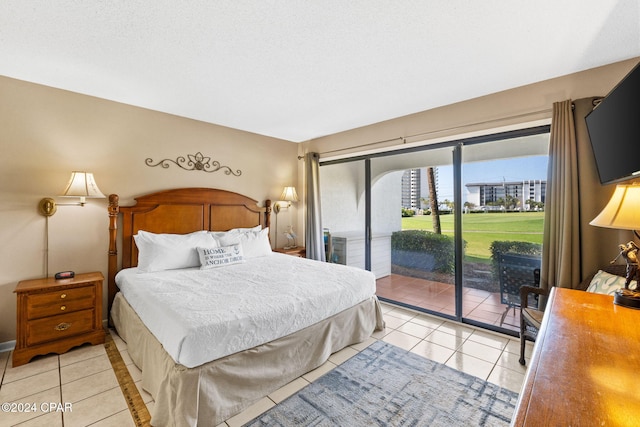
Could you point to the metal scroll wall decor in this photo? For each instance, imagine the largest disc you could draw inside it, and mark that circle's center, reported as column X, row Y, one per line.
column 194, row 162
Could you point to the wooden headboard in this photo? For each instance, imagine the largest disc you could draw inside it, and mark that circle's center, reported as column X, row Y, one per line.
column 178, row 211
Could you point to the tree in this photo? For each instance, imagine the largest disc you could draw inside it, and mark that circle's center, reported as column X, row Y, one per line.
column 424, row 202
column 533, row 205
column 511, row 202
column 433, row 201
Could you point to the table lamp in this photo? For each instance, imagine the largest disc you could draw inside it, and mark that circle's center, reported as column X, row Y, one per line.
column 623, row 212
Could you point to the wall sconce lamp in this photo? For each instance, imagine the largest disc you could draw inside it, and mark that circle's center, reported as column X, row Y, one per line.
column 288, row 195
column 623, row 212
column 81, row 184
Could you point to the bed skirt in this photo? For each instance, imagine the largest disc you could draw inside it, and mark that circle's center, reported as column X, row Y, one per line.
column 211, row 393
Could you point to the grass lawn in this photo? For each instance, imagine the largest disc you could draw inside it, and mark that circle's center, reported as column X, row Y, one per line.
column 479, row 230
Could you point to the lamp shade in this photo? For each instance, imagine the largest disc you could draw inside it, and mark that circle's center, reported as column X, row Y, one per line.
column 289, row 194
column 82, row 184
column 622, row 211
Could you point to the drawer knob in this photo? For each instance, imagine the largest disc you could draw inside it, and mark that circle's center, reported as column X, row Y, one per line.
column 62, row 326
column 63, row 296
column 63, row 307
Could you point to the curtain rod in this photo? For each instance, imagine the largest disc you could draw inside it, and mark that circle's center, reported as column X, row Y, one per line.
column 404, row 138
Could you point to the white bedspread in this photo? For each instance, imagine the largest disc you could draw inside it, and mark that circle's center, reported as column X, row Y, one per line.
column 202, row 315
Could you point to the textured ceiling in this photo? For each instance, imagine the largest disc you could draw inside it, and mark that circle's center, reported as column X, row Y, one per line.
column 298, row 70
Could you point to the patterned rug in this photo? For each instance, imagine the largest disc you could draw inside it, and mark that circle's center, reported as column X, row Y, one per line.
column 386, row 386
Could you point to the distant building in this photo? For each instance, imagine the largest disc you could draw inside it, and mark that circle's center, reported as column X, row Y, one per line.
column 486, row 195
column 411, row 189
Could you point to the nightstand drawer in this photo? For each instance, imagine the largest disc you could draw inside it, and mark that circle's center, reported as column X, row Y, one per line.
column 61, row 326
column 58, row 302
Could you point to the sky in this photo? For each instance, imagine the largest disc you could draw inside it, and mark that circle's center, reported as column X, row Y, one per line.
column 513, row 169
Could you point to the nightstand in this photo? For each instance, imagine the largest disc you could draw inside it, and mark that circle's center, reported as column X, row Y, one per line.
column 299, row 251
column 55, row 315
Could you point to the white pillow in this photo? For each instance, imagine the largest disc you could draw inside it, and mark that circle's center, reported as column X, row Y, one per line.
column 257, row 228
column 254, row 243
column 158, row 252
column 216, row 256
column 605, row 283
column 218, row 234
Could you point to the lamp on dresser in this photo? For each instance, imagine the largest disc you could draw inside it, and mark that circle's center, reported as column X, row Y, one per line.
column 623, row 212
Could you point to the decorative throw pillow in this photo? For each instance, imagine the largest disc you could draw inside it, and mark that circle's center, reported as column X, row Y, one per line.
column 158, row 252
column 216, row 256
column 606, row 283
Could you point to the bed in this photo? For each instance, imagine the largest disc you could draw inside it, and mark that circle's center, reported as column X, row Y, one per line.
column 274, row 321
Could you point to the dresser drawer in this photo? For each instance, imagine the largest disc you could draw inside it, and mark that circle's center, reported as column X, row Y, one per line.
column 62, row 301
column 61, row 326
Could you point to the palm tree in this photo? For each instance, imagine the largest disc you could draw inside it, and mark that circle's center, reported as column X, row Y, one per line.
column 433, row 201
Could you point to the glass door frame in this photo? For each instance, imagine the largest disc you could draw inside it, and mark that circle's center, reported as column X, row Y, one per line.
column 458, row 241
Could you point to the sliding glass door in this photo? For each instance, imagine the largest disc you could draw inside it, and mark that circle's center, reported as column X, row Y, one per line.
column 502, row 224
column 412, row 228
column 438, row 224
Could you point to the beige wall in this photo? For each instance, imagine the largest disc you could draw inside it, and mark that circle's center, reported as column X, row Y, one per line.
column 507, row 109
column 46, row 133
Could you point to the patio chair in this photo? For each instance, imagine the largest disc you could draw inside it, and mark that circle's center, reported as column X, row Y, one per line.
column 531, row 317
column 515, row 271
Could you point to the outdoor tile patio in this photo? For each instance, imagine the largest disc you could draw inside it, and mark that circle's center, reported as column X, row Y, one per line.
column 479, row 305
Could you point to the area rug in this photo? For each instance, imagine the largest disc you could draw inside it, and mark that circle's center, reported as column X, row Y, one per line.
column 387, row 386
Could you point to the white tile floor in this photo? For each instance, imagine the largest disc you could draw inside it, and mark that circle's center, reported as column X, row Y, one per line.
column 83, row 377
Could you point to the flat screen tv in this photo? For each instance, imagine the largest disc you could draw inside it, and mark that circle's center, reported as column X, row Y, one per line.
column 614, row 130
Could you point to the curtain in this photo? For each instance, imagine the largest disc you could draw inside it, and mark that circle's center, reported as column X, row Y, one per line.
column 314, row 237
column 561, row 238
column 573, row 249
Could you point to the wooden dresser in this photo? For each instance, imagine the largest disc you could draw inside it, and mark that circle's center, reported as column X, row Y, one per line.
column 585, row 366
column 56, row 315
